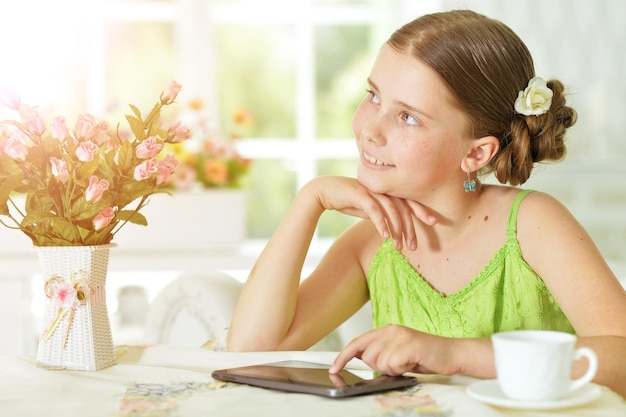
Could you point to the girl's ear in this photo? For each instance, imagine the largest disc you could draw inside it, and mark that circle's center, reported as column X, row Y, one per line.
column 480, row 153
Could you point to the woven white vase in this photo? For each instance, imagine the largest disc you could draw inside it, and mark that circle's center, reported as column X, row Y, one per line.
column 76, row 332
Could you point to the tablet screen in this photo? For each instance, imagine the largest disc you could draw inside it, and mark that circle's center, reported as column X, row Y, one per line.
column 311, row 378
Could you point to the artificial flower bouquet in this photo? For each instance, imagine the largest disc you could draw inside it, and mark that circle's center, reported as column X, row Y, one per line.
column 83, row 184
column 211, row 160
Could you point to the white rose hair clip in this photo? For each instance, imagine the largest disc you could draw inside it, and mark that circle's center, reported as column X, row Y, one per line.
column 535, row 99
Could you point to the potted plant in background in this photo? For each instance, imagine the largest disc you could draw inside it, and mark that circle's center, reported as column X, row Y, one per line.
column 210, row 160
column 81, row 186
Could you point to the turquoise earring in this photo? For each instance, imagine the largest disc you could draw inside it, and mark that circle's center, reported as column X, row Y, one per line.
column 469, row 184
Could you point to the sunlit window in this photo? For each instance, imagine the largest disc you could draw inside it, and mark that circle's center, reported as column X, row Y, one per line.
column 297, row 67
column 300, row 68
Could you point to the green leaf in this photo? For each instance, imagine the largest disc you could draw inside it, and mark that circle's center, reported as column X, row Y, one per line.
column 87, row 210
column 154, row 114
column 65, row 230
column 136, row 111
column 125, row 156
column 132, row 217
column 6, row 187
column 85, row 170
column 39, row 203
column 137, row 127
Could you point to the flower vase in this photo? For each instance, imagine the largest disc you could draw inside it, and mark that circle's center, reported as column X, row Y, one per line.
column 76, row 331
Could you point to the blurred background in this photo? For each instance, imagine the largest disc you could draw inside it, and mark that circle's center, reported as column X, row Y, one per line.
column 285, row 76
column 297, row 68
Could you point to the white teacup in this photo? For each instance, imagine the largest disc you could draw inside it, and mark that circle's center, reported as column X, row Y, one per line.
column 536, row 365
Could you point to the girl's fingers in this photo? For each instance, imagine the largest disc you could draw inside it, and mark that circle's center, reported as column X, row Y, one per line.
column 422, row 213
column 354, row 349
column 401, row 219
column 410, row 236
column 393, row 217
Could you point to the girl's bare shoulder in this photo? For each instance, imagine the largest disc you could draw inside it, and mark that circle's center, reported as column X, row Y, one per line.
column 539, row 209
column 535, row 205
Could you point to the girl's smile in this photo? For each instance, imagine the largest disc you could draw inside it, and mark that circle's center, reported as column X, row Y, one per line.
column 370, row 160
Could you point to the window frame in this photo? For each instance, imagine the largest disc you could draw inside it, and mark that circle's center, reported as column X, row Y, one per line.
column 193, row 21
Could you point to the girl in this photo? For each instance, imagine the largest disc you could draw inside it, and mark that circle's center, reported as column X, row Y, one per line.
column 445, row 260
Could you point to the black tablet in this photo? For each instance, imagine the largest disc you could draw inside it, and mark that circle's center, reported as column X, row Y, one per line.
column 312, row 378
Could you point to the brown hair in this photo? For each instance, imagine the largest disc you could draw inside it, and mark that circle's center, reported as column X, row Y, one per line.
column 485, row 64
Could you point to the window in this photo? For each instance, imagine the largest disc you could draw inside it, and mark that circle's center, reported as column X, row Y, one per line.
column 298, row 66
column 301, row 72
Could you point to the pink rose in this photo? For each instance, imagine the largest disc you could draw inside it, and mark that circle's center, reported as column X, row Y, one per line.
column 10, row 98
column 170, row 93
column 148, row 148
column 103, row 219
column 95, row 189
column 84, row 125
column 15, row 146
column 100, row 133
column 88, row 128
column 59, row 169
column 59, row 128
column 34, row 122
column 86, row 151
column 166, row 168
column 178, row 132
column 145, row 170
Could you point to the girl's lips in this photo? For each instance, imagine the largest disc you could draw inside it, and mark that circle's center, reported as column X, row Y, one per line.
column 372, row 160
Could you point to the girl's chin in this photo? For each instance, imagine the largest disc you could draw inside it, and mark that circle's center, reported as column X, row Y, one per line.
column 372, row 185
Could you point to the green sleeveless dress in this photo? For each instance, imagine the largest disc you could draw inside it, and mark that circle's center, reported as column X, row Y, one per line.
column 506, row 295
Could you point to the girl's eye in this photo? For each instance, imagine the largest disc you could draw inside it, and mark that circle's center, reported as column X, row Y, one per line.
column 373, row 97
column 410, row 120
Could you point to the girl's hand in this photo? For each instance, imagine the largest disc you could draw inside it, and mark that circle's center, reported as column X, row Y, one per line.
column 393, row 217
column 394, row 350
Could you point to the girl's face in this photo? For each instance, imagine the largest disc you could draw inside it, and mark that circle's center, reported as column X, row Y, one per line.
column 410, row 137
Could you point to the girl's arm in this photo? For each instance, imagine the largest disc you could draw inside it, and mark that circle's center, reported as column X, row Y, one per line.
column 557, row 247
column 394, row 350
column 267, row 304
column 276, row 312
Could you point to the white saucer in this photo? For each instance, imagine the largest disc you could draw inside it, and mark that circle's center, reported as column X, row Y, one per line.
column 489, row 392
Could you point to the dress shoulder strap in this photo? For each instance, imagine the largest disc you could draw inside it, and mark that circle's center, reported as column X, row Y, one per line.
column 511, row 229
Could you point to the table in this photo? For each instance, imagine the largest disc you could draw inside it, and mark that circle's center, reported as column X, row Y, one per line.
column 168, row 381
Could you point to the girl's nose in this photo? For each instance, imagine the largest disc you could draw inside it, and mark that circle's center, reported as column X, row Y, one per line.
column 372, row 130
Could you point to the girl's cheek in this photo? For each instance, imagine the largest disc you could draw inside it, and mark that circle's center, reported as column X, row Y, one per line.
column 357, row 120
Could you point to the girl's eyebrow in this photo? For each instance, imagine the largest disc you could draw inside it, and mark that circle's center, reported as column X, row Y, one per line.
column 401, row 103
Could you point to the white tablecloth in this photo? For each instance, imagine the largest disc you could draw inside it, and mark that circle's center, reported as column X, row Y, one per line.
column 166, row 381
